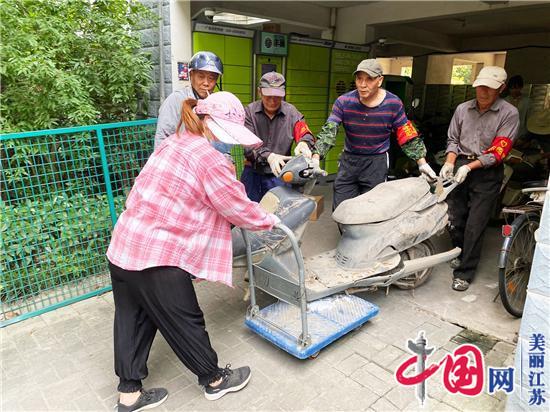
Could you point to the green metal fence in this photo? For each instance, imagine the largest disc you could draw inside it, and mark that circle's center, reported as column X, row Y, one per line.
column 61, row 193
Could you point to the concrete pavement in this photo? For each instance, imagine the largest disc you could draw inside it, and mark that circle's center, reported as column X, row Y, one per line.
column 63, row 360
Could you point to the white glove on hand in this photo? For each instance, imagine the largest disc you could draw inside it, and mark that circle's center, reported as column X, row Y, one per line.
column 316, row 167
column 302, row 149
column 461, row 173
column 447, row 170
column 428, row 172
column 276, row 219
column 277, row 162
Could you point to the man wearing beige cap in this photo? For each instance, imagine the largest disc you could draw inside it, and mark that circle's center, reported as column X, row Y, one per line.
column 481, row 134
column 369, row 115
column 278, row 124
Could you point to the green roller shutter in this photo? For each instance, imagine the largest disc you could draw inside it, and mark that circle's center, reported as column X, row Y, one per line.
column 236, row 55
column 343, row 64
column 307, row 79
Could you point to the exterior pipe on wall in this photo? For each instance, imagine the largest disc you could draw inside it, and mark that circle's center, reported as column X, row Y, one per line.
column 161, row 52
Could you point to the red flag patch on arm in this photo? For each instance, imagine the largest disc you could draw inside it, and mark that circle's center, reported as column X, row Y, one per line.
column 500, row 147
column 406, row 132
column 300, row 130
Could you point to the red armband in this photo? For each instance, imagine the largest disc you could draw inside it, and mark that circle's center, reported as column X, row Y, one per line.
column 405, row 133
column 500, row 147
column 300, row 130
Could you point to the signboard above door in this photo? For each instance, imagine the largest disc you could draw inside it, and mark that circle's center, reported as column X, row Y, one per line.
column 275, row 44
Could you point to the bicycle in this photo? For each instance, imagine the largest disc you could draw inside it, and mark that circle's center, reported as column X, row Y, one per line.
column 518, row 248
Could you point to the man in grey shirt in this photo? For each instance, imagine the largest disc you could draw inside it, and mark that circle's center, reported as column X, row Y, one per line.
column 278, row 124
column 205, row 68
column 481, row 134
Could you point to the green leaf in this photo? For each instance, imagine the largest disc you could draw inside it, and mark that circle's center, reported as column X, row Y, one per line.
column 79, row 60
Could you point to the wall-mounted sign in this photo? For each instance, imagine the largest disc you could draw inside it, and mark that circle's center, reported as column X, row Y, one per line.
column 230, row 31
column 352, row 47
column 273, row 44
column 311, row 42
column 183, row 71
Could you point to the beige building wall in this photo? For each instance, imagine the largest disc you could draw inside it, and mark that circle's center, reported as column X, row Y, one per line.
column 500, row 59
column 181, row 37
column 393, row 65
column 352, row 22
column 440, row 67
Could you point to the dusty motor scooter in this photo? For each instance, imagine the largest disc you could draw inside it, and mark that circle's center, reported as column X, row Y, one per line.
column 383, row 242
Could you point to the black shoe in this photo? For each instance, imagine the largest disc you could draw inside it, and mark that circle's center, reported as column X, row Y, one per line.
column 460, row 285
column 147, row 400
column 232, row 381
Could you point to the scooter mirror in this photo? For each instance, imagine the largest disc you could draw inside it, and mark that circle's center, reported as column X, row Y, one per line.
column 297, row 171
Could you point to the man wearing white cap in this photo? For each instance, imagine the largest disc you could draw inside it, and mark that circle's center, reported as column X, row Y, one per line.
column 481, row 134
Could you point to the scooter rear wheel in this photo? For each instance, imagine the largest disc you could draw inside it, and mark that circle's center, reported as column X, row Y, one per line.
column 423, row 249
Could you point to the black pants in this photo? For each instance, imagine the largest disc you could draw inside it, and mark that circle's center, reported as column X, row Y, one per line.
column 357, row 174
column 160, row 298
column 470, row 206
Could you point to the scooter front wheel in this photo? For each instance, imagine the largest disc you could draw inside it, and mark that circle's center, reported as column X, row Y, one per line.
column 423, row 249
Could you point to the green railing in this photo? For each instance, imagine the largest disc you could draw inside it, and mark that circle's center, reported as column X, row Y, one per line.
column 61, row 193
column 62, row 190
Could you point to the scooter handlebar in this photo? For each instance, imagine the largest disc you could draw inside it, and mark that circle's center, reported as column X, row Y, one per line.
column 317, row 171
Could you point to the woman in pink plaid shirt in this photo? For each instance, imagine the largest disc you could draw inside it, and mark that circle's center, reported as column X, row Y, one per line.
column 177, row 224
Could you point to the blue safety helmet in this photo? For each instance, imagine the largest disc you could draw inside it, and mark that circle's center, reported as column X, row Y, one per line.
column 207, row 61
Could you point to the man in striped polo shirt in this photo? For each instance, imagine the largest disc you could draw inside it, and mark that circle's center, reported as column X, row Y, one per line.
column 369, row 115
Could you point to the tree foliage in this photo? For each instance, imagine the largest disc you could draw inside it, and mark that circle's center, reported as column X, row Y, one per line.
column 66, row 63
column 70, row 62
column 461, row 74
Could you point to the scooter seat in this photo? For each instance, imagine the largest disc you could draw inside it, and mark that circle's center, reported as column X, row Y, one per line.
column 292, row 208
column 534, row 184
column 384, row 202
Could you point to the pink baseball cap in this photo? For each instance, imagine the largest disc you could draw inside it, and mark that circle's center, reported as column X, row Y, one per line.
column 226, row 119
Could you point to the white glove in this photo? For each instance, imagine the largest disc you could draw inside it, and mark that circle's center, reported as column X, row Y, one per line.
column 276, row 219
column 461, row 173
column 277, row 162
column 302, row 149
column 428, row 172
column 447, row 170
column 316, row 167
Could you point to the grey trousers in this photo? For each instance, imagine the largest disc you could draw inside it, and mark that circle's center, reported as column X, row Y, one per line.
column 357, row 174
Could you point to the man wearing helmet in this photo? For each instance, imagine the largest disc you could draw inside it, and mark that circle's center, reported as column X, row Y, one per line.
column 205, row 68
